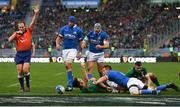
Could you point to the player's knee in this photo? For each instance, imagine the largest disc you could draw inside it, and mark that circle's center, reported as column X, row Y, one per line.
column 68, row 66
column 19, row 70
column 134, row 90
column 90, row 69
column 26, row 69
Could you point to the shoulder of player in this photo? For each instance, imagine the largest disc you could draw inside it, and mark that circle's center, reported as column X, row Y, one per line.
column 65, row 27
column 104, row 34
column 132, row 71
column 29, row 29
column 90, row 33
column 144, row 69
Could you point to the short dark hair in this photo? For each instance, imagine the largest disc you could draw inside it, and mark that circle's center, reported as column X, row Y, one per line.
column 76, row 83
column 108, row 66
column 21, row 21
column 138, row 63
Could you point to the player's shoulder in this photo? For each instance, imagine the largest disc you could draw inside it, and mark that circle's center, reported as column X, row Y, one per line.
column 132, row 70
column 144, row 69
column 64, row 27
column 77, row 27
column 103, row 33
column 90, row 32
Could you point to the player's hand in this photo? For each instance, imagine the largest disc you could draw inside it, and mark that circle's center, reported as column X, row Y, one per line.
column 94, row 82
column 19, row 32
column 36, row 9
column 79, row 55
column 83, row 65
column 151, row 88
column 109, row 89
column 33, row 55
column 83, row 45
column 98, row 47
column 58, row 47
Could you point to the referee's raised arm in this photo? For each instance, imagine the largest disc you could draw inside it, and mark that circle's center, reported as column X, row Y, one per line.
column 36, row 12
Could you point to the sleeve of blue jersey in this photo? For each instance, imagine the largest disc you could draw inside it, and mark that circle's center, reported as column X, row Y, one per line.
column 61, row 32
column 106, row 36
column 80, row 34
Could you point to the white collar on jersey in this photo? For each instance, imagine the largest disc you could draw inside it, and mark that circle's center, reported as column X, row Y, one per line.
column 74, row 26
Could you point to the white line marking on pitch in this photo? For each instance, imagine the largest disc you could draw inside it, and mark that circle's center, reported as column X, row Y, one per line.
column 59, row 73
column 15, row 84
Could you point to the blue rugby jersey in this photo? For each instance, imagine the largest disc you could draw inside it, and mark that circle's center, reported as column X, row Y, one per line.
column 71, row 36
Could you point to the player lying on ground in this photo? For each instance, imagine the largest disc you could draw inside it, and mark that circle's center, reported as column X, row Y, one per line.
column 87, row 85
column 134, row 85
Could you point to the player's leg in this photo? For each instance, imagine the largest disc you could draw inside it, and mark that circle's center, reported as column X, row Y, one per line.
column 91, row 59
column 68, row 56
column 138, row 87
column 26, row 67
column 90, row 69
column 69, row 73
column 100, row 67
column 170, row 85
column 20, row 76
column 153, row 79
column 19, row 66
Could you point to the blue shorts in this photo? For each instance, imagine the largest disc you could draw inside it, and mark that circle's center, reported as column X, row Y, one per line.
column 23, row 57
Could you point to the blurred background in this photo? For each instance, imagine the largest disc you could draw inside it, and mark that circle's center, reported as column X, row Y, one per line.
column 136, row 27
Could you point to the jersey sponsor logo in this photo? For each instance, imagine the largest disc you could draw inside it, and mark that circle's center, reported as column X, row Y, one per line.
column 74, row 33
column 94, row 41
column 69, row 36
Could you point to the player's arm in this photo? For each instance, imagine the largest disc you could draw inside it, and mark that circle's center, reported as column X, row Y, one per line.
column 12, row 37
column 101, row 80
column 105, row 46
column 84, row 42
column 85, row 78
column 59, row 39
column 33, row 49
column 147, row 77
column 105, row 86
column 105, row 42
column 36, row 11
column 80, row 39
column 79, row 55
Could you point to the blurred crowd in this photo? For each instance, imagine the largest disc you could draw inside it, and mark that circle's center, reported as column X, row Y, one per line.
column 9, row 19
column 128, row 22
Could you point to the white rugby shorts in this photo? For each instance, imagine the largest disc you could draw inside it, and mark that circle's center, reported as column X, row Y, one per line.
column 99, row 57
column 135, row 82
column 69, row 54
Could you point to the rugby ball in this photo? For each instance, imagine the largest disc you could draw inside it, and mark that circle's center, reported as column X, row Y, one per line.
column 60, row 89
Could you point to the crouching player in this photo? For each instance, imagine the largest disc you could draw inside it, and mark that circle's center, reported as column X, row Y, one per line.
column 134, row 85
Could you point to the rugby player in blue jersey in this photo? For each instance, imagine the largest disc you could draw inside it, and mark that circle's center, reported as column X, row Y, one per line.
column 134, row 85
column 70, row 37
column 97, row 40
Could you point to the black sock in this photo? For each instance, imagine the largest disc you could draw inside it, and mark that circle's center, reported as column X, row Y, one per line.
column 21, row 81
column 27, row 77
column 155, row 81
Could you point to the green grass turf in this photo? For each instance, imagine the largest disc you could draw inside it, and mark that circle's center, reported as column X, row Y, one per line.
column 44, row 77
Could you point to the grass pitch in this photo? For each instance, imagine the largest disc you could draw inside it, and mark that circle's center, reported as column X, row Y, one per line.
column 44, row 77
